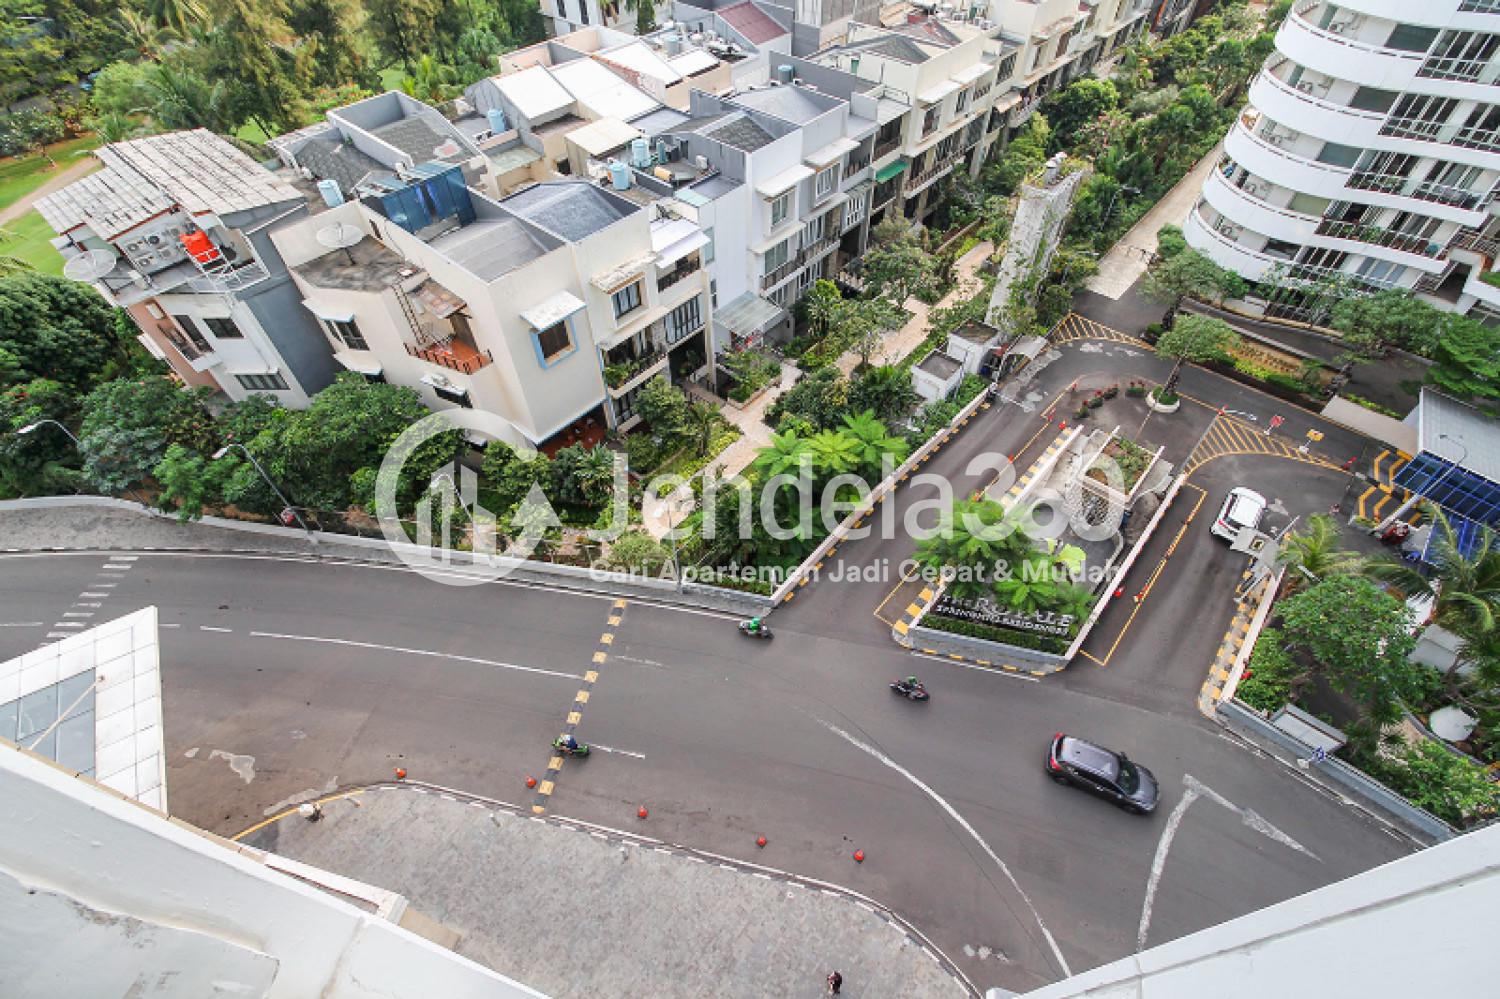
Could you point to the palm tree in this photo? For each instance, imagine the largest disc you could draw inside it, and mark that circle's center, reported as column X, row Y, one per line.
column 977, row 535
column 430, row 80
column 181, row 99
column 785, row 455
column 180, row 16
column 1464, row 587
column 886, row 390
column 874, row 441
column 594, row 476
column 1313, row 553
column 702, row 419
column 143, row 34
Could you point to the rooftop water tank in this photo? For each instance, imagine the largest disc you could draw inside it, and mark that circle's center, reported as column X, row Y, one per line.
column 673, row 45
column 661, row 150
column 332, row 196
column 783, row 74
column 619, row 175
column 496, row 118
column 640, row 153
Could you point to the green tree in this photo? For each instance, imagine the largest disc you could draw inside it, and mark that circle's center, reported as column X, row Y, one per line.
column 1083, row 101
column 1371, row 325
column 178, row 97
column 58, row 329
column 253, row 48
column 510, row 475
column 1266, row 684
column 44, row 461
column 118, row 89
column 821, row 305
column 27, row 54
column 329, row 26
column 875, row 446
column 820, row 397
column 1189, row 274
column 1195, row 338
column 701, row 421
column 977, row 536
column 398, row 28
column 637, row 551
column 430, row 80
column 899, row 269
column 885, row 390
column 1022, row 157
column 865, row 323
column 582, row 476
column 129, row 423
column 1314, row 553
column 663, row 406
column 787, row 454
column 1358, row 637
column 1466, row 361
column 190, row 481
column 832, row 452
column 1464, row 584
column 1442, row 782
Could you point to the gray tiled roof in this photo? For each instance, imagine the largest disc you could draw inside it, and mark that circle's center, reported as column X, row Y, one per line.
column 740, row 132
column 491, row 248
column 420, row 140
column 792, row 104
column 328, row 158
column 570, row 209
column 890, row 46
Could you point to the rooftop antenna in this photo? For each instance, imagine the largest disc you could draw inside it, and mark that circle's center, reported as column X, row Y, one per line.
column 90, row 265
column 341, row 236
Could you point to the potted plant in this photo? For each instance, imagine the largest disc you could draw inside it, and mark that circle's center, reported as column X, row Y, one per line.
column 1162, row 401
column 1135, row 389
column 1112, row 391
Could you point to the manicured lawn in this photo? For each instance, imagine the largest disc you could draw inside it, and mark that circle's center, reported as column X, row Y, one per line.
column 19, row 177
column 391, row 77
column 251, row 132
column 31, row 243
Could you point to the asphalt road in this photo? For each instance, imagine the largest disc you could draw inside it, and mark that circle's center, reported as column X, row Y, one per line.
column 328, row 675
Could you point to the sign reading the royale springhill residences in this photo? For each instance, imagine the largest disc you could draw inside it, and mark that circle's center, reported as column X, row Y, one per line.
column 986, row 611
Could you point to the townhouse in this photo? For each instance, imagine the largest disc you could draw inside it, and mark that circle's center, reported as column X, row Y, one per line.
column 175, row 229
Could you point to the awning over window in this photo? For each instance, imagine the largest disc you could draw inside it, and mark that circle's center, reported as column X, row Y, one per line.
column 835, row 149
column 891, row 169
column 332, row 314
column 676, row 251
column 359, row 362
column 747, row 315
column 784, row 180
column 938, row 92
column 551, row 311
column 439, row 300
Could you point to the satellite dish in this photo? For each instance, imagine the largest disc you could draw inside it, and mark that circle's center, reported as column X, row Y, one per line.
column 340, row 236
column 90, row 265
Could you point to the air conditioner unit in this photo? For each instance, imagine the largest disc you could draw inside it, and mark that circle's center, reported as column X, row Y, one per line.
column 701, row 162
column 1337, row 27
column 1305, row 87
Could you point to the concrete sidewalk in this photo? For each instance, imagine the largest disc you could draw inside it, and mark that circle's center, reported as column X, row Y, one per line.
column 580, row 911
column 1126, row 261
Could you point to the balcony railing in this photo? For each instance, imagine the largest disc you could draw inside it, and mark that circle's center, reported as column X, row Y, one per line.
column 888, row 146
column 622, row 373
column 1472, row 239
column 797, row 261
column 453, row 356
column 1376, row 236
column 1443, row 194
column 917, row 180
column 685, row 267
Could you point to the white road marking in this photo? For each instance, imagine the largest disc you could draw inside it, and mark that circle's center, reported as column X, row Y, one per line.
column 20, row 624
column 205, row 627
column 1193, row 789
column 109, row 565
column 638, row 662
column 415, row 652
column 164, row 625
column 78, row 613
column 88, row 594
column 983, row 669
column 621, row 752
column 962, row 822
column 68, row 624
column 85, row 603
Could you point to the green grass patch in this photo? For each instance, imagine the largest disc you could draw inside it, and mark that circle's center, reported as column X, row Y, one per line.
column 31, row 243
column 989, row 632
column 19, row 177
column 251, row 132
column 391, row 77
column 1490, row 278
column 688, row 463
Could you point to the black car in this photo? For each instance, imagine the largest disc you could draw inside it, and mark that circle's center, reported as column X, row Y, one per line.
column 1106, row 773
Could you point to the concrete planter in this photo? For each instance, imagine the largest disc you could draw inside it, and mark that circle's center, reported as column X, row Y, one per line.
column 1157, row 407
column 751, row 401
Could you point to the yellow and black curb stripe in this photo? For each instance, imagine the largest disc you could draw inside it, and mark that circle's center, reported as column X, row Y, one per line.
column 1025, row 480
column 901, row 630
column 1227, row 435
column 1386, row 465
column 601, row 654
column 1229, row 649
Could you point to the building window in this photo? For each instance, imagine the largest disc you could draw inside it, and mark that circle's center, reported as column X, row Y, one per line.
column 823, row 185
column 963, row 102
column 781, row 207
column 777, row 255
column 272, row 382
column 223, row 328
column 193, row 333
column 707, row 253
column 713, row 292
column 627, row 299
column 553, row 342
column 931, row 118
column 1007, row 67
column 854, row 209
column 686, row 318
column 347, row 333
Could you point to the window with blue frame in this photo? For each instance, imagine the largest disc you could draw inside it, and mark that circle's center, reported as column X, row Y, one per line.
column 553, row 343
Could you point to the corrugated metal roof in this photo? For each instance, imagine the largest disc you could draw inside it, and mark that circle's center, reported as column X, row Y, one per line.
column 756, row 25
column 600, row 91
column 1457, row 432
column 643, row 59
column 534, row 92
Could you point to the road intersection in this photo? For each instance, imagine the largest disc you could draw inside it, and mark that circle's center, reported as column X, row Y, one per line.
column 315, row 675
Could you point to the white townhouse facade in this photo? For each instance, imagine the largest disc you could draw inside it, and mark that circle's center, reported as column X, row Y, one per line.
column 1367, row 156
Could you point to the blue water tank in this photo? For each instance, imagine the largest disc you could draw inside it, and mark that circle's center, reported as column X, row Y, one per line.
column 619, row 175
column 661, row 150
column 496, row 118
column 640, row 153
column 784, row 73
column 332, row 196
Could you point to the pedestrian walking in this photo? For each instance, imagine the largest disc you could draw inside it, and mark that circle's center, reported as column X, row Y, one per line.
column 835, row 982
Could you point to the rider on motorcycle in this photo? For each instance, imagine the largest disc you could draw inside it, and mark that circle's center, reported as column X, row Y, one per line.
column 569, row 743
column 912, row 683
column 754, row 625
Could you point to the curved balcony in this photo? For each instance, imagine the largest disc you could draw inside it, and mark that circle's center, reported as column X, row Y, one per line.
column 1314, row 116
column 1245, row 209
column 1249, row 264
column 1432, row 13
column 1413, row 251
column 1333, row 54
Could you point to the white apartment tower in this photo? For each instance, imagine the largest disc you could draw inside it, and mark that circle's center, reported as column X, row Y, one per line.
column 1366, row 158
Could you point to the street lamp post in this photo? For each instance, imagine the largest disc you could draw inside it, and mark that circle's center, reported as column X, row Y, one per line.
column 279, row 494
column 1110, row 209
column 32, row 427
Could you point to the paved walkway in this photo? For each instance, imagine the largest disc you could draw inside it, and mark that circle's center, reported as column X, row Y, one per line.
column 905, row 340
column 575, row 911
column 63, row 177
column 1126, row 261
